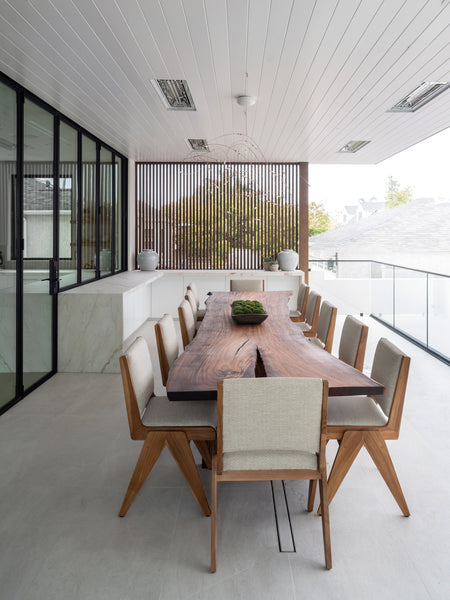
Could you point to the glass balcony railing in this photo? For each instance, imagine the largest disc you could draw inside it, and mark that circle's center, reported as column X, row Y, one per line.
column 414, row 303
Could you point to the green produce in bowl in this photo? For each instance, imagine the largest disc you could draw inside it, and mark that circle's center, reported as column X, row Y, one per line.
column 246, row 307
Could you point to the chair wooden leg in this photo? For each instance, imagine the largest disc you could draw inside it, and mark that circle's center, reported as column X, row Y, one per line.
column 203, row 448
column 376, row 446
column 325, row 521
column 348, row 450
column 178, row 444
column 312, row 494
column 351, row 444
column 151, row 450
column 214, row 515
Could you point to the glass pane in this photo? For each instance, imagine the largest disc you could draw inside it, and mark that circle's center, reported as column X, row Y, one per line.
column 105, row 211
column 382, row 292
column 68, row 194
column 88, row 235
column 38, row 242
column 411, row 303
column 7, row 264
column 118, row 212
column 439, row 314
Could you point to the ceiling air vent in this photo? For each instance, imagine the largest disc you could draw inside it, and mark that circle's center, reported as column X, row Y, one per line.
column 198, row 145
column 425, row 92
column 353, row 146
column 174, row 93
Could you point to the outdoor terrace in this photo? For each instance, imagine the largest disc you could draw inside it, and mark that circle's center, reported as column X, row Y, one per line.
column 66, row 458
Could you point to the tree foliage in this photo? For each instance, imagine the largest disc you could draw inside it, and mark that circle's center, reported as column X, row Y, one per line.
column 319, row 219
column 228, row 222
column 396, row 196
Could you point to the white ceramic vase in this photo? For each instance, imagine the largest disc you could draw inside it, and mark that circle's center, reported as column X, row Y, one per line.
column 147, row 260
column 288, row 260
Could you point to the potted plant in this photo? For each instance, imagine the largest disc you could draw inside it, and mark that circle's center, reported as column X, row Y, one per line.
column 267, row 261
column 273, row 265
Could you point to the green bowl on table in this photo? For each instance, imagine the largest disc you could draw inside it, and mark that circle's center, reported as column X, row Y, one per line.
column 248, row 312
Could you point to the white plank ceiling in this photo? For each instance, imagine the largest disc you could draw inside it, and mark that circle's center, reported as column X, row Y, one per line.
column 324, row 71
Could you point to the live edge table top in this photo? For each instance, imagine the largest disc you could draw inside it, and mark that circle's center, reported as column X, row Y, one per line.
column 275, row 348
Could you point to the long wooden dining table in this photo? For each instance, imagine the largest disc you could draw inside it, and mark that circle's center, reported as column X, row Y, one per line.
column 274, row 348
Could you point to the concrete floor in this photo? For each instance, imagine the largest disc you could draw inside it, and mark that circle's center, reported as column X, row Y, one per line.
column 66, row 459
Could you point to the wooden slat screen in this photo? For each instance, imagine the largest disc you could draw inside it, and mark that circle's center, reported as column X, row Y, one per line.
column 217, row 216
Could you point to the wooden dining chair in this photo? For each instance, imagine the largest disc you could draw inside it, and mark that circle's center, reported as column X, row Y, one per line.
column 352, row 346
column 247, row 285
column 200, row 311
column 271, row 429
column 159, row 423
column 302, row 297
column 187, row 323
column 325, row 326
column 357, row 421
column 309, row 325
column 168, row 351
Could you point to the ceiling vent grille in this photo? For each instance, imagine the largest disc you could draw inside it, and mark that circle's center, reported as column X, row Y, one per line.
column 174, row 93
column 198, row 145
column 420, row 96
column 353, row 146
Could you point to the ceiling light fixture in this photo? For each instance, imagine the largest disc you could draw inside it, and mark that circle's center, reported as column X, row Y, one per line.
column 420, row 96
column 246, row 100
column 353, row 146
column 198, row 145
column 174, row 93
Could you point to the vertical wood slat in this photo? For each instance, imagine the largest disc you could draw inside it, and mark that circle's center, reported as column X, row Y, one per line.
column 182, row 211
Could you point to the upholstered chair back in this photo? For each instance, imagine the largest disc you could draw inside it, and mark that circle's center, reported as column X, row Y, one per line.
column 323, row 325
column 247, row 285
column 350, row 341
column 187, row 323
column 271, row 419
column 313, row 298
column 191, row 299
column 141, row 371
column 302, row 292
column 193, row 287
column 167, row 342
column 386, row 370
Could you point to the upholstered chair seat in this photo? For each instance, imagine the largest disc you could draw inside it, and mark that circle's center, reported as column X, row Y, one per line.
column 355, row 410
column 161, row 412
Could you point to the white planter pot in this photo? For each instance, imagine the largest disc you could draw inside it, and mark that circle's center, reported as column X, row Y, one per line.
column 288, row 260
column 147, row 260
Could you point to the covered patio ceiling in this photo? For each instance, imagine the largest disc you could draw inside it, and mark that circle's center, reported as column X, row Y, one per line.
column 324, row 72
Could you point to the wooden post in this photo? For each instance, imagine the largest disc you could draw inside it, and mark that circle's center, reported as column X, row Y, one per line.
column 303, row 250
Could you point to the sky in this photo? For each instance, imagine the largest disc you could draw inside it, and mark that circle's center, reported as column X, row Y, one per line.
column 425, row 168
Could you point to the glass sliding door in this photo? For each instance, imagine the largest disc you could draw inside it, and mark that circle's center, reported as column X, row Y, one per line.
column 106, row 211
column 118, row 213
column 8, row 287
column 68, row 204
column 88, row 208
column 39, row 265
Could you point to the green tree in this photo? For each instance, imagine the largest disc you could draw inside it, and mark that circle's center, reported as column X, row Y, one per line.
column 319, row 219
column 396, row 196
column 228, row 217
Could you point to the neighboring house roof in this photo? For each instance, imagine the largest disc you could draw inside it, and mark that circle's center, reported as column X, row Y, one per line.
column 38, row 194
column 419, row 225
